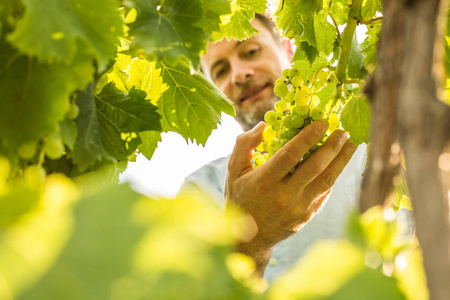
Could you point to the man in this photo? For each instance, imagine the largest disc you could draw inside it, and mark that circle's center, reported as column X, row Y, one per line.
column 277, row 202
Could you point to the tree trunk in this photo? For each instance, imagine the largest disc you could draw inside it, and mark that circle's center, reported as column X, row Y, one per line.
column 421, row 124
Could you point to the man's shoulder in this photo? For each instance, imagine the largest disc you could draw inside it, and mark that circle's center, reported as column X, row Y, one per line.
column 210, row 179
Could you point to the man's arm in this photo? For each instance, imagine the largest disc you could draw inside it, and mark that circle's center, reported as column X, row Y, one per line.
column 277, row 201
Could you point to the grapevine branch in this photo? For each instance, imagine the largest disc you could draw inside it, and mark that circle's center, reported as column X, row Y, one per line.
column 368, row 22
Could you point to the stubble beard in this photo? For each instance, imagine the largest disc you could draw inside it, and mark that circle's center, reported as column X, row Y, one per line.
column 249, row 119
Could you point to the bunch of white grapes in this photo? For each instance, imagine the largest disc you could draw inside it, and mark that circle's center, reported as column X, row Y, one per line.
column 298, row 107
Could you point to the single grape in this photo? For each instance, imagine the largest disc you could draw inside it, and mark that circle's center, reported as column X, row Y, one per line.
column 269, row 134
column 333, row 122
column 321, row 75
column 297, row 81
column 317, row 113
column 259, row 160
column 276, row 126
column 286, row 73
column 287, row 122
column 297, row 121
column 281, row 89
column 34, row 176
column 315, row 100
column 292, row 132
column 280, row 133
column 293, row 72
column 301, row 97
column 279, row 80
column 273, row 145
column 271, row 117
column 27, row 150
column 53, row 148
column 280, row 106
column 302, row 109
column 289, row 97
column 73, row 112
column 260, row 147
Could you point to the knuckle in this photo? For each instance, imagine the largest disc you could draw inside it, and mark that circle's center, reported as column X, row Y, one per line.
column 317, row 166
column 240, row 138
column 289, row 157
column 329, row 179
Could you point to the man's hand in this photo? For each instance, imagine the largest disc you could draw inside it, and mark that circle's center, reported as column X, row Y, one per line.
column 278, row 202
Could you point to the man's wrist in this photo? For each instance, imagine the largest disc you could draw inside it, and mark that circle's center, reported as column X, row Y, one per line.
column 260, row 255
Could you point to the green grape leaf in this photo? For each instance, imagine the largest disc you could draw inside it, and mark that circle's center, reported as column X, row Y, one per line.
column 97, row 23
column 213, row 10
column 69, row 132
column 305, row 67
column 237, row 24
column 192, row 105
column 304, row 51
column 169, row 29
column 339, row 11
column 31, row 107
column 356, row 67
column 355, row 119
column 121, row 117
column 325, row 33
column 88, row 147
column 369, row 46
column 139, row 73
column 150, row 140
column 144, row 75
column 326, row 95
column 369, row 8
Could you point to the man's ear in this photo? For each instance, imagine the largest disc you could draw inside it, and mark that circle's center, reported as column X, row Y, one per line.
column 288, row 48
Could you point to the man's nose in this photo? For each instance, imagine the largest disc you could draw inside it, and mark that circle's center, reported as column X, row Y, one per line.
column 242, row 72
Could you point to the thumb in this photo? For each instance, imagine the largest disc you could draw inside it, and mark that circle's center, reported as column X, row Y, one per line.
column 240, row 159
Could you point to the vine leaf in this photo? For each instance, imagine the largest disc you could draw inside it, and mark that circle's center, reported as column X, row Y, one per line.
column 94, row 23
column 31, row 107
column 170, row 30
column 355, row 119
column 192, row 105
column 109, row 124
column 356, row 67
column 369, row 46
column 213, row 10
column 369, row 8
column 150, row 140
column 237, row 24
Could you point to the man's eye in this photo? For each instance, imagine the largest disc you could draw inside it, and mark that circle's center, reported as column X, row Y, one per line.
column 219, row 73
column 252, row 52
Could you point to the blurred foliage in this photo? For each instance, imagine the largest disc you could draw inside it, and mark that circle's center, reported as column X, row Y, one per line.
column 90, row 240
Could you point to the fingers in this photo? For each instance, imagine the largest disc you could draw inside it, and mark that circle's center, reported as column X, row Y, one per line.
column 312, row 167
column 328, row 177
column 240, row 159
column 288, row 156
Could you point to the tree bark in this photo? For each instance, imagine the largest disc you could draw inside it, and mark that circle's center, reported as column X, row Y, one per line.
column 420, row 122
column 383, row 91
column 423, row 130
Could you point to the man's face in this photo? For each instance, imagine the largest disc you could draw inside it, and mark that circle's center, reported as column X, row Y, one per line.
column 246, row 72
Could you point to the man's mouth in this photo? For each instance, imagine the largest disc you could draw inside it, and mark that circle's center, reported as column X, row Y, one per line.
column 252, row 92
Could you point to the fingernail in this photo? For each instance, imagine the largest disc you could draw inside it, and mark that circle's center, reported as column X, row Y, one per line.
column 258, row 126
column 343, row 137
